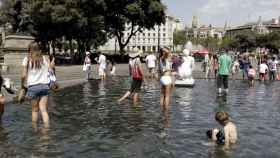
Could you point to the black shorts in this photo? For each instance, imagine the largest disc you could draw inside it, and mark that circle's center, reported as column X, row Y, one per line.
column 135, row 86
column 222, row 80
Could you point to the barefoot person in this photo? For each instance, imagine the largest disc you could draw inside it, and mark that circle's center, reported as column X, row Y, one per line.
column 137, row 75
column 102, row 64
column 227, row 135
column 151, row 60
column 224, row 71
column 166, row 77
column 251, row 75
column 35, row 74
column 87, row 64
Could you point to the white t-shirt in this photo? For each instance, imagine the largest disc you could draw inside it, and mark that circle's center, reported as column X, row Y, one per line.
column 37, row 76
column 263, row 68
column 151, row 61
column 102, row 61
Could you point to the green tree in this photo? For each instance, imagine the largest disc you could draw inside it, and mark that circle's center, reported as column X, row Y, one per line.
column 179, row 38
column 73, row 20
column 270, row 41
column 137, row 14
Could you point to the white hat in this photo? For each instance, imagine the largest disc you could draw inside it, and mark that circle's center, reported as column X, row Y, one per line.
column 135, row 54
column 186, row 52
column 87, row 53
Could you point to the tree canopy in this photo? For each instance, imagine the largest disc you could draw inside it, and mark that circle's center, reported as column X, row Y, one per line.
column 137, row 14
column 87, row 22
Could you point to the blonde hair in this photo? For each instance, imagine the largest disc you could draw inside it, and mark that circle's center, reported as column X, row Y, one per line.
column 222, row 117
column 35, row 55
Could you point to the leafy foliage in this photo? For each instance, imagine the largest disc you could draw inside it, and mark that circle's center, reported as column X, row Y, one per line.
column 137, row 14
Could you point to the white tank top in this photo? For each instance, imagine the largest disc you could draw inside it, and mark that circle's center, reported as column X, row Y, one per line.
column 37, row 76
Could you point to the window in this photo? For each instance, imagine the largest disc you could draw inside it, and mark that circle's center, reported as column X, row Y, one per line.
column 148, row 34
column 163, row 34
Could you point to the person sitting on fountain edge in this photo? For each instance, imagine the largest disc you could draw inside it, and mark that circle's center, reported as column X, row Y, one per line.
column 225, row 136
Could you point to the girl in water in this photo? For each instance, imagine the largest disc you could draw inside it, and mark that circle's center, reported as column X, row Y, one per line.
column 35, row 75
column 166, row 77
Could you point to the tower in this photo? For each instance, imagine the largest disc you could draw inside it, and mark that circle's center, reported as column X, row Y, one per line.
column 195, row 22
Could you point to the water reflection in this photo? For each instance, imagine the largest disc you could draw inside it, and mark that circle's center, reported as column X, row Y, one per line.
column 86, row 121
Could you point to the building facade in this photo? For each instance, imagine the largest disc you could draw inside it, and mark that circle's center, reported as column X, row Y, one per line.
column 203, row 31
column 259, row 27
column 147, row 40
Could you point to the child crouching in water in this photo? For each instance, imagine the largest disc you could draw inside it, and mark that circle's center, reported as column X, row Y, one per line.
column 251, row 75
column 225, row 136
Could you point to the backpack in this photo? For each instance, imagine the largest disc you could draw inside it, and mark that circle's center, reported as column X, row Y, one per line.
column 136, row 73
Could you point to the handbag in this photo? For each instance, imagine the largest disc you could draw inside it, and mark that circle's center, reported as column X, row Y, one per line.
column 85, row 67
column 53, row 84
column 136, row 73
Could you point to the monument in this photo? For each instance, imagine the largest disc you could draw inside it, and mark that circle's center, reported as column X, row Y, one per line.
column 15, row 49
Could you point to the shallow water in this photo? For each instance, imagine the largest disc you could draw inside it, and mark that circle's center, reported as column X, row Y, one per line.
column 86, row 121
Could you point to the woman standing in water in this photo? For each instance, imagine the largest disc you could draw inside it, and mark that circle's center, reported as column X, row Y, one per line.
column 166, row 77
column 137, row 75
column 36, row 75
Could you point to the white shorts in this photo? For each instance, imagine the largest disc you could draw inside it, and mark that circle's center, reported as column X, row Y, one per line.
column 166, row 80
column 101, row 72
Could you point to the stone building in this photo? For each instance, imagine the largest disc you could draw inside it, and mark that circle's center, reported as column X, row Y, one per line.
column 259, row 27
column 148, row 40
column 203, row 31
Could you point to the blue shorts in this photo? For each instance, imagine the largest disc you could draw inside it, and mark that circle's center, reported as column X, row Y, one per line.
column 38, row 91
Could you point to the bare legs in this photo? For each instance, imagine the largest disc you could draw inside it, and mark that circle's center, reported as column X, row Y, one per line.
column 165, row 97
column 2, row 104
column 42, row 105
column 127, row 94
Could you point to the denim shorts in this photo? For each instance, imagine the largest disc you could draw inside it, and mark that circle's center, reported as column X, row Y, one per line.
column 38, row 91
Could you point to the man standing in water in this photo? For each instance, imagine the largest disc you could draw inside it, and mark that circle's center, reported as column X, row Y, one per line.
column 224, row 71
column 151, row 60
column 102, row 66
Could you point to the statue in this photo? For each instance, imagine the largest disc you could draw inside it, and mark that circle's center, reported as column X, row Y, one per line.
column 185, row 70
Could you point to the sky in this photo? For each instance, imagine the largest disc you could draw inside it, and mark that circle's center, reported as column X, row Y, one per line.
column 218, row 12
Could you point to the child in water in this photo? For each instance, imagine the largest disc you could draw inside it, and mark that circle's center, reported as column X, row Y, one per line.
column 251, row 75
column 225, row 136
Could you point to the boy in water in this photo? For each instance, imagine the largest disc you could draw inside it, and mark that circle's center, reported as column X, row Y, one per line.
column 226, row 136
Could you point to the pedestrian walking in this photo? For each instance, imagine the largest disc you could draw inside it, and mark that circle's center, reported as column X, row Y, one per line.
column 102, row 64
column 263, row 70
column 166, row 78
column 224, row 71
column 215, row 65
column 87, row 65
column 35, row 75
column 137, row 75
column 113, row 68
column 251, row 75
column 151, row 60
column 235, row 68
column 272, row 65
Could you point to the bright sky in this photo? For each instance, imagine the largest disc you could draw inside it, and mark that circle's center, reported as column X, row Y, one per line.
column 217, row 12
